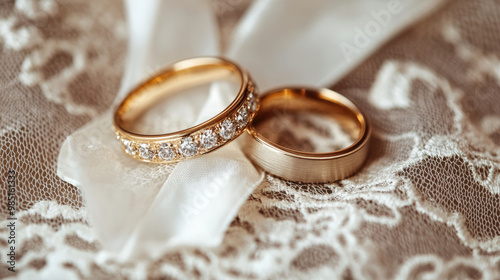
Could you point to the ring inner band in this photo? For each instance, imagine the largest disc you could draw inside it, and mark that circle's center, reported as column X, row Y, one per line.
column 170, row 82
column 278, row 112
column 326, row 103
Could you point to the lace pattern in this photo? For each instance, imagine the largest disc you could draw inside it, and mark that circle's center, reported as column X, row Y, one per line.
column 426, row 204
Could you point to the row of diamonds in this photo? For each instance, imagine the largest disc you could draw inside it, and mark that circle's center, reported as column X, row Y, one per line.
column 197, row 143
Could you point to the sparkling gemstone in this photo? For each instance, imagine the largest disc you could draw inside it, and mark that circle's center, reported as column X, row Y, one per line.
column 252, row 102
column 251, row 87
column 242, row 118
column 128, row 145
column 208, row 139
column 227, row 129
column 146, row 152
column 166, row 151
column 188, row 147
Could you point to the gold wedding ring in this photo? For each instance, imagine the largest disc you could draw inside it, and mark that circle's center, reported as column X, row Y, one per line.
column 300, row 166
column 196, row 140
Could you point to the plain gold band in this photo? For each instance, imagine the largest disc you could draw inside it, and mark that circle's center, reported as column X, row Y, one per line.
column 199, row 139
column 300, row 166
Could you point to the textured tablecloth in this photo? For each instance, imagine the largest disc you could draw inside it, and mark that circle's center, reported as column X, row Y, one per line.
column 426, row 204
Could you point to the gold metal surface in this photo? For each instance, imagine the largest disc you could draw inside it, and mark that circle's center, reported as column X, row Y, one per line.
column 303, row 166
column 181, row 75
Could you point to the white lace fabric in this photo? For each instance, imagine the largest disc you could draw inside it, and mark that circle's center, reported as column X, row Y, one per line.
column 425, row 206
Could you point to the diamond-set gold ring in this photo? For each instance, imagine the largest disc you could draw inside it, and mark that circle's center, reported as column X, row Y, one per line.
column 196, row 140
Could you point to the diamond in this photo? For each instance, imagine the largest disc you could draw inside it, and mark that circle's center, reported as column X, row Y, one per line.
column 166, row 151
column 128, row 146
column 208, row 139
column 146, row 152
column 227, row 129
column 252, row 102
column 188, row 147
column 251, row 87
column 242, row 118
